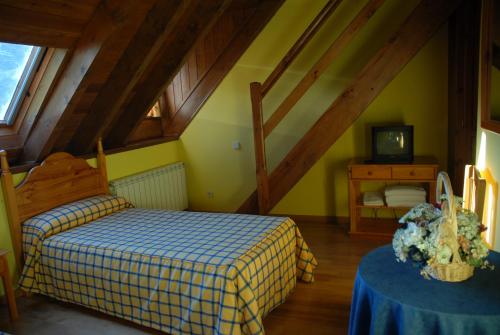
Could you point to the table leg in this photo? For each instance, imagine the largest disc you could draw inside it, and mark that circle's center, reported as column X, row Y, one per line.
column 353, row 194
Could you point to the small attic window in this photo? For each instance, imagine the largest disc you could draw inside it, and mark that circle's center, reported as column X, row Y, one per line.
column 18, row 65
column 155, row 111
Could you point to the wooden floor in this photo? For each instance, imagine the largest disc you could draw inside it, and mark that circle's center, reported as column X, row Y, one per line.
column 318, row 308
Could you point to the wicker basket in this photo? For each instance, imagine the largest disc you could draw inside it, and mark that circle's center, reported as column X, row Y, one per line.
column 457, row 270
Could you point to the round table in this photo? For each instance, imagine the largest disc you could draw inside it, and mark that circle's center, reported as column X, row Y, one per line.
column 391, row 297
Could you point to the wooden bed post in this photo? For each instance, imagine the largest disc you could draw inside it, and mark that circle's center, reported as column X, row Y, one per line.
column 9, row 196
column 101, row 165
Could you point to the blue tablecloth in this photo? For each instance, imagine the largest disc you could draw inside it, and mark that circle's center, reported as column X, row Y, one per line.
column 393, row 298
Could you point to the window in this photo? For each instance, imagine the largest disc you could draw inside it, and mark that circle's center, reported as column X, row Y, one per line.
column 155, row 111
column 18, row 64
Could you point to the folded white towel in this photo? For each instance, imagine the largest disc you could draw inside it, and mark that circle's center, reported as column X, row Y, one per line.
column 404, row 201
column 373, row 199
column 404, row 190
column 403, row 204
column 408, row 198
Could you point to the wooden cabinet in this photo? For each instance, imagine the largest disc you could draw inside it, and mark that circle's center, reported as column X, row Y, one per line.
column 413, row 173
column 424, row 170
column 370, row 172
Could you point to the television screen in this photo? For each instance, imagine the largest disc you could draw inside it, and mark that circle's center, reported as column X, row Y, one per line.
column 392, row 144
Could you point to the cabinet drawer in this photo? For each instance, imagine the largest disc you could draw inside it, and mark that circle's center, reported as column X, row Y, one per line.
column 410, row 172
column 371, row 172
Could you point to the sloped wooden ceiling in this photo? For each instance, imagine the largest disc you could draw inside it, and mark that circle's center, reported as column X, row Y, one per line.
column 121, row 56
column 127, row 53
column 51, row 23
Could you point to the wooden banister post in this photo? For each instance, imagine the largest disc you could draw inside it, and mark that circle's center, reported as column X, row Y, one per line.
column 258, row 91
column 101, row 164
column 260, row 148
column 9, row 195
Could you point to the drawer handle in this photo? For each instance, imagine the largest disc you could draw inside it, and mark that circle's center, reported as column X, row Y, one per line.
column 412, row 173
column 370, row 173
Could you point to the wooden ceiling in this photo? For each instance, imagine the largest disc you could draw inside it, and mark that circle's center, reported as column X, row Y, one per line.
column 52, row 23
column 121, row 56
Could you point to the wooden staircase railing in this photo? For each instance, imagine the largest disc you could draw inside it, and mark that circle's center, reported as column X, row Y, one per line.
column 294, row 51
column 423, row 22
column 258, row 91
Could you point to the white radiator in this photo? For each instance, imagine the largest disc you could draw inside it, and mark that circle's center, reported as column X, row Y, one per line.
column 161, row 188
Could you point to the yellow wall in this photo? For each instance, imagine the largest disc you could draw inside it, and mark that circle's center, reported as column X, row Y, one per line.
column 129, row 162
column 417, row 96
column 118, row 165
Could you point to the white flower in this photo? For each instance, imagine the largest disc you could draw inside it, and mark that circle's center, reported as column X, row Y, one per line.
column 443, row 254
column 413, row 235
column 421, row 213
column 423, row 232
column 398, row 246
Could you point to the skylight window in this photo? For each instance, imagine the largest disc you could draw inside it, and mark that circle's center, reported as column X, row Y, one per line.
column 18, row 64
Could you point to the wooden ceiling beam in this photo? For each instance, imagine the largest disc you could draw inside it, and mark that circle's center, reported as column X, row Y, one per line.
column 240, row 41
column 44, row 23
column 382, row 68
column 196, row 21
column 322, row 64
column 97, row 51
column 150, row 38
column 76, row 10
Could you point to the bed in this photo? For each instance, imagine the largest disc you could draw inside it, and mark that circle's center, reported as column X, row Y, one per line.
column 178, row 272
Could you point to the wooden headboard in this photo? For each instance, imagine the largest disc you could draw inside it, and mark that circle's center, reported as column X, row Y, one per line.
column 60, row 179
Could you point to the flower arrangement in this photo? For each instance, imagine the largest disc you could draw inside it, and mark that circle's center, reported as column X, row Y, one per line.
column 420, row 241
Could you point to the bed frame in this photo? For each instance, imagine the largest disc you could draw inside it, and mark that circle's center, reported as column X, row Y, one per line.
column 60, row 179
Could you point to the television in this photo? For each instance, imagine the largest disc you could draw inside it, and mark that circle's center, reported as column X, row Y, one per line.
column 392, row 144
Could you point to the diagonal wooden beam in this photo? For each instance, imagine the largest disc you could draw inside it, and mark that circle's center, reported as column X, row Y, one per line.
column 242, row 38
column 196, row 21
column 151, row 36
column 109, row 30
column 316, row 24
column 37, row 23
column 383, row 67
column 322, row 64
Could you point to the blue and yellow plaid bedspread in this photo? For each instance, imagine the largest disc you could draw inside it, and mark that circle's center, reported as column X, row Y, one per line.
column 179, row 272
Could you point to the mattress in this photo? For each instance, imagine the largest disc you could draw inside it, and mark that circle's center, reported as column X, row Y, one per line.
column 178, row 272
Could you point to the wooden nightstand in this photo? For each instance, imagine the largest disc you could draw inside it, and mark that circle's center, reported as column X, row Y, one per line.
column 7, row 284
column 423, row 171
